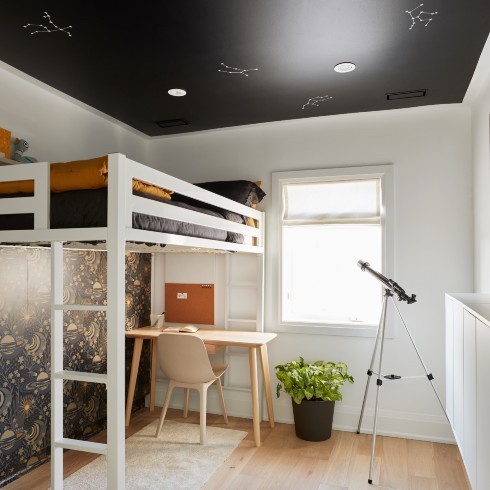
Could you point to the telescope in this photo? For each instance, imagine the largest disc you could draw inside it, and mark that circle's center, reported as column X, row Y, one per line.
column 391, row 288
column 388, row 283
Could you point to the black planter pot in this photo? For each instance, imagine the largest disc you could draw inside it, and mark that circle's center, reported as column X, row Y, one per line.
column 313, row 419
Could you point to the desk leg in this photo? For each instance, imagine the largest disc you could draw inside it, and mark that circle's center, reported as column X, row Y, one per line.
column 154, row 346
column 252, row 356
column 138, row 343
column 264, row 362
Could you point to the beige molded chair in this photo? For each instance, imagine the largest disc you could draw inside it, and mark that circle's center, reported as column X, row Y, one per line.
column 184, row 360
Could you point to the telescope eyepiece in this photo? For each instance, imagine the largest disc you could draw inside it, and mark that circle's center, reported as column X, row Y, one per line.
column 362, row 265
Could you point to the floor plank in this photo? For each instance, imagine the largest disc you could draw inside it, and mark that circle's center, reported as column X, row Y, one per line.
column 423, row 483
column 421, row 459
column 394, row 469
column 286, row 462
column 449, row 470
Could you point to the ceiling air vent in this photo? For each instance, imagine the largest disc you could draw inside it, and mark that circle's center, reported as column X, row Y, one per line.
column 171, row 123
column 406, row 95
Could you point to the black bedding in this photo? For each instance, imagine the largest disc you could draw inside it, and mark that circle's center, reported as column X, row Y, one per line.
column 88, row 208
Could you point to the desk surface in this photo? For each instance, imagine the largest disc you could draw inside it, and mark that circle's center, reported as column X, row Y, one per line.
column 210, row 336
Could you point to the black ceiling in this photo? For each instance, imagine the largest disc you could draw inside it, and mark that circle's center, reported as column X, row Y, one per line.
column 122, row 60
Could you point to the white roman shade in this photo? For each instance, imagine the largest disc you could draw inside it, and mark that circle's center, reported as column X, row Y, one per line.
column 336, row 201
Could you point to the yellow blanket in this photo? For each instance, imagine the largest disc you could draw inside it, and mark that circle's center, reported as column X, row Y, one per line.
column 78, row 175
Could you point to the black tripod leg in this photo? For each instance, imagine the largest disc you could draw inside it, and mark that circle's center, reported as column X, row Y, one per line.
column 370, row 370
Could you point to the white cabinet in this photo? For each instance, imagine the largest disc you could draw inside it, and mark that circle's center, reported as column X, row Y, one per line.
column 469, row 393
column 482, row 405
column 467, row 381
column 458, row 424
column 449, row 360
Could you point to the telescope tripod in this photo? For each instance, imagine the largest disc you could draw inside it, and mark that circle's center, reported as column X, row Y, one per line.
column 380, row 338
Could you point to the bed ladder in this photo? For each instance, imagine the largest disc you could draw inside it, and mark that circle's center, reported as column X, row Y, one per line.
column 258, row 286
column 119, row 217
column 58, row 374
column 233, row 322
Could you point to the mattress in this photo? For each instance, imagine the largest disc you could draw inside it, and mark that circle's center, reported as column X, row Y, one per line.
column 88, row 208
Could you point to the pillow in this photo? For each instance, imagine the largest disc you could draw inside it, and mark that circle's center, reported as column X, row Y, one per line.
column 80, row 175
column 251, row 221
column 70, row 176
column 242, row 191
column 152, row 190
column 17, row 187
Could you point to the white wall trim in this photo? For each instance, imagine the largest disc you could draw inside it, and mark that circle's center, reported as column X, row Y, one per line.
column 238, row 401
column 408, row 425
column 391, row 423
column 306, row 121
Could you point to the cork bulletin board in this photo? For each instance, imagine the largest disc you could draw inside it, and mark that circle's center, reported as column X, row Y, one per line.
column 189, row 303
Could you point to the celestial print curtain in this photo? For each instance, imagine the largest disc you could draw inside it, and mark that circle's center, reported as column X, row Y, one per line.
column 25, row 329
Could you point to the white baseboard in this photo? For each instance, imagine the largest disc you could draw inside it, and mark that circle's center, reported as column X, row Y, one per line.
column 407, row 425
column 238, row 401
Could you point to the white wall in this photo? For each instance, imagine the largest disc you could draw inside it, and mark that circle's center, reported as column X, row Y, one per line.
column 57, row 127
column 430, row 149
column 480, row 102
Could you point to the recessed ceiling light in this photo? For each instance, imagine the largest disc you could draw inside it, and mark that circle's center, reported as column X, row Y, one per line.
column 345, row 67
column 177, row 92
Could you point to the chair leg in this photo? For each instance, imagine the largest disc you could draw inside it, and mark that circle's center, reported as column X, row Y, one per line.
column 222, row 399
column 203, row 392
column 186, row 402
column 165, row 407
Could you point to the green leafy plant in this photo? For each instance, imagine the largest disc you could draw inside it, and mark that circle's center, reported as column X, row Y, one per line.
column 316, row 381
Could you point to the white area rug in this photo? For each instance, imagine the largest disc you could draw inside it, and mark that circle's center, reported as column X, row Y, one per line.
column 174, row 460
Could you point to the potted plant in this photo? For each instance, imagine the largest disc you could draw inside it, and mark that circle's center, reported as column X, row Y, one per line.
column 314, row 388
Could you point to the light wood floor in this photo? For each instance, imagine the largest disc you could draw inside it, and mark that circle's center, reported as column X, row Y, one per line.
column 286, row 462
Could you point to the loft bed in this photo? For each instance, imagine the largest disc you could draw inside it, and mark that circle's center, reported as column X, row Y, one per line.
column 133, row 220
column 79, row 201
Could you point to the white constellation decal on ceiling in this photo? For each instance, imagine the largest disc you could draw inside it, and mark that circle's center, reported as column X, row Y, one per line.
column 52, row 27
column 316, row 100
column 419, row 17
column 240, row 71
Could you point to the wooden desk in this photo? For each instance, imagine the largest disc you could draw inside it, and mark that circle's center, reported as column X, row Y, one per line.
column 212, row 338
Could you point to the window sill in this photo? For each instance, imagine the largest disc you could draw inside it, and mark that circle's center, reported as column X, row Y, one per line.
column 345, row 330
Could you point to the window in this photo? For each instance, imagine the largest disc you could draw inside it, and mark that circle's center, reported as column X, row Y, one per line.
column 328, row 221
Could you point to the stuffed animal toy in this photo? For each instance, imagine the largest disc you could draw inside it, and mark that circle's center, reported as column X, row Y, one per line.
column 20, row 146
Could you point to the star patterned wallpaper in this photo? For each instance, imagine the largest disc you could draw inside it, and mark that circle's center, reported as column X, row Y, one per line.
column 25, row 322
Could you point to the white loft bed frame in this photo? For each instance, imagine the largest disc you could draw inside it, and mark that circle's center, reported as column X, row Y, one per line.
column 121, row 204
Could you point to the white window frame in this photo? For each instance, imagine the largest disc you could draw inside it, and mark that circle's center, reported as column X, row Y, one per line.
column 279, row 179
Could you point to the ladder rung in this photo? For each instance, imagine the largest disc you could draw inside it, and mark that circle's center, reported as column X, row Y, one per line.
column 241, row 285
column 85, row 446
column 81, row 307
column 82, row 376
